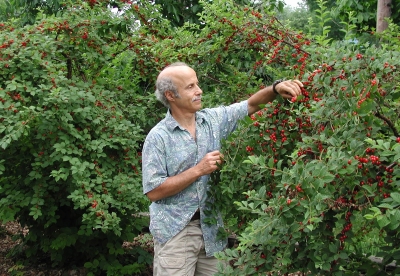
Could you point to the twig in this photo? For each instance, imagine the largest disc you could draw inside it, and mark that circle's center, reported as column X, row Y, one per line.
column 389, row 122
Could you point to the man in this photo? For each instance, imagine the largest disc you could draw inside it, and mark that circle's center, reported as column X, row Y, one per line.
column 179, row 154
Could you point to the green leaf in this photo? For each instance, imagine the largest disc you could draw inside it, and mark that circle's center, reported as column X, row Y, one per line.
column 11, row 86
column 326, row 266
column 328, row 177
column 385, row 205
column 333, row 247
column 396, row 215
column 382, row 221
column 343, row 255
column 368, row 189
column 395, row 196
column 369, row 216
column 310, row 227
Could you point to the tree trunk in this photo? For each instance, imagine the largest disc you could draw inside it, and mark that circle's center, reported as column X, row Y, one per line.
column 384, row 11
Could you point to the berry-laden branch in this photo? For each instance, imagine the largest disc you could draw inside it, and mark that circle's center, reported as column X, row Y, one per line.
column 291, row 43
column 214, row 79
column 389, row 123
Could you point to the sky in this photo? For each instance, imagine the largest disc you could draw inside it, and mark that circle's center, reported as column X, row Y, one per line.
column 292, row 3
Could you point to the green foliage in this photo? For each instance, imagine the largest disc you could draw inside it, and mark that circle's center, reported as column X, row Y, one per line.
column 302, row 174
column 26, row 10
column 296, row 18
column 70, row 168
column 361, row 13
column 305, row 184
column 365, row 11
column 187, row 11
column 320, row 29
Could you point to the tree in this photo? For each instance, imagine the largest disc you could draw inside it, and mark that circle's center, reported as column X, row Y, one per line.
column 177, row 12
column 363, row 13
column 382, row 14
column 296, row 18
column 185, row 11
column 28, row 10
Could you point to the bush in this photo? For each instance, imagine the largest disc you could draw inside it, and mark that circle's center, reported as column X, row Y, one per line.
column 314, row 178
column 70, row 168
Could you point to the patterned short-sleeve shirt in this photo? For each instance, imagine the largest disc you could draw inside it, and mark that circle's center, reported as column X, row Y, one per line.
column 169, row 150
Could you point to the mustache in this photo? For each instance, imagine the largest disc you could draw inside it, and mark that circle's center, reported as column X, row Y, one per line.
column 196, row 98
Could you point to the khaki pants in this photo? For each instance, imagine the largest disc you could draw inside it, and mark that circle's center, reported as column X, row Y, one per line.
column 184, row 254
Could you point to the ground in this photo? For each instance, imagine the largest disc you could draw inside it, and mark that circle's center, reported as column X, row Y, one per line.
column 8, row 266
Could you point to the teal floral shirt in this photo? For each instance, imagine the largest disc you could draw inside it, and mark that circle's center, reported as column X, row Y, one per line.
column 169, row 150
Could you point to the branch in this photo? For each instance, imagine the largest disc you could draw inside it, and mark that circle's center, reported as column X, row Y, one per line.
column 69, row 68
column 69, row 65
column 389, row 122
column 82, row 74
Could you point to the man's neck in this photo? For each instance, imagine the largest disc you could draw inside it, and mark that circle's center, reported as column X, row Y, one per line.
column 186, row 121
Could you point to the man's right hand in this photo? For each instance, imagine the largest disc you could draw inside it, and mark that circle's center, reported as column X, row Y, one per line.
column 210, row 162
column 174, row 184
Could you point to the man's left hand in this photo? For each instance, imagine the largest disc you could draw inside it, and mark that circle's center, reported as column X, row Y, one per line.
column 289, row 88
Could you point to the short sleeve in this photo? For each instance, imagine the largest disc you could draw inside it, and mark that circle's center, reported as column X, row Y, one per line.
column 227, row 117
column 154, row 167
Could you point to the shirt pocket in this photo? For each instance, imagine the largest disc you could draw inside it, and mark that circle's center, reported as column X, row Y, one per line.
column 172, row 262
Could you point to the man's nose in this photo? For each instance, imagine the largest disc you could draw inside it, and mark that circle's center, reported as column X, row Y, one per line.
column 199, row 90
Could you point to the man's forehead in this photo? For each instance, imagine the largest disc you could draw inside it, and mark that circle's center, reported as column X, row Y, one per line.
column 175, row 72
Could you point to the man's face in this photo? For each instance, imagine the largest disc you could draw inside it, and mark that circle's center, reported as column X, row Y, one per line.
column 185, row 79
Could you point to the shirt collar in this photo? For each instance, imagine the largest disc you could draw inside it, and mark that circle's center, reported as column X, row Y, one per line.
column 171, row 123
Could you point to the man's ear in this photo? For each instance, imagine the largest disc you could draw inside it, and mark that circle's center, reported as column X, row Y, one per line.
column 169, row 95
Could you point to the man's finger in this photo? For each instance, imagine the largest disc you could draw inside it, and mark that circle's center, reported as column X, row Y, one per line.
column 291, row 88
column 299, row 83
column 215, row 152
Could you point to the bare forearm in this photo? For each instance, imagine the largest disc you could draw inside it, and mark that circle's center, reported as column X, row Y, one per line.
column 263, row 96
column 174, row 184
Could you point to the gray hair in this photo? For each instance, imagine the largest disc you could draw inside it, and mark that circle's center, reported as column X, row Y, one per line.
column 165, row 84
